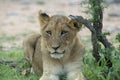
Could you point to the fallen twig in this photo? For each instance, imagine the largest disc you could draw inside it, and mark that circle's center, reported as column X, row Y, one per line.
column 13, row 64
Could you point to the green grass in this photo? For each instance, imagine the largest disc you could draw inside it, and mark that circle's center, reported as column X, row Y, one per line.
column 12, row 56
column 9, row 73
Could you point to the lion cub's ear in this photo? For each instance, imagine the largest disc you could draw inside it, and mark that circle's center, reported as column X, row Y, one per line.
column 43, row 18
column 74, row 24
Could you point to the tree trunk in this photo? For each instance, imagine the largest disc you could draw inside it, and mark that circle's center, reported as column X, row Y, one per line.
column 98, row 25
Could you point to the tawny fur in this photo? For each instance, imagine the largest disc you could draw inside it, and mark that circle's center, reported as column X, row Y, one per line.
column 39, row 48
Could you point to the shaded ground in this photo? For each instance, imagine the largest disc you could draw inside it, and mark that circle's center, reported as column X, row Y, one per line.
column 18, row 18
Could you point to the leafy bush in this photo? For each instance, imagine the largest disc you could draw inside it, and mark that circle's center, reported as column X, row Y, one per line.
column 93, row 71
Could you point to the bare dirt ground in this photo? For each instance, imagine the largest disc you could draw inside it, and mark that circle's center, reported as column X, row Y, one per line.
column 19, row 18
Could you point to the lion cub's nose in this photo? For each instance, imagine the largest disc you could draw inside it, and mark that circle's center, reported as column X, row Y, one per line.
column 56, row 47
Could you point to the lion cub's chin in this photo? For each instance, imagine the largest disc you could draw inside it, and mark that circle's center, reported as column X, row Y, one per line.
column 57, row 55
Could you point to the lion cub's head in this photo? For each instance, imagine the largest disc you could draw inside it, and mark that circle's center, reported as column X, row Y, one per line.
column 58, row 33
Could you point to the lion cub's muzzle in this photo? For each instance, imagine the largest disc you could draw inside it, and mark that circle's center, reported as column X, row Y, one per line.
column 56, row 52
column 57, row 55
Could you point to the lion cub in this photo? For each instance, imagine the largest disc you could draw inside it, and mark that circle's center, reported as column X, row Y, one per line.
column 57, row 50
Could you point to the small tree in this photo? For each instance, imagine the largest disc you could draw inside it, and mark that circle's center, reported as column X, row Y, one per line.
column 95, row 25
column 97, row 20
column 108, row 56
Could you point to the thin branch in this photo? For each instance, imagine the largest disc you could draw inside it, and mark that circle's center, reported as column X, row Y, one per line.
column 93, row 34
column 83, row 21
column 9, row 63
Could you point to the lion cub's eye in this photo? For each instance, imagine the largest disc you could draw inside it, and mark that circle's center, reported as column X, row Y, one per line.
column 63, row 33
column 49, row 33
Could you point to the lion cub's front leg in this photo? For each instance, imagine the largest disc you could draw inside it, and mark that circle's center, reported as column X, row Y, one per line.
column 51, row 68
column 75, row 75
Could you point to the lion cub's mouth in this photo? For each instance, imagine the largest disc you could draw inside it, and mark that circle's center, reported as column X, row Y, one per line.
column 57, row 55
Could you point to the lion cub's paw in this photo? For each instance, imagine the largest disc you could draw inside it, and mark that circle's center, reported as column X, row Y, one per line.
column 32, row 71
column 49, row 77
